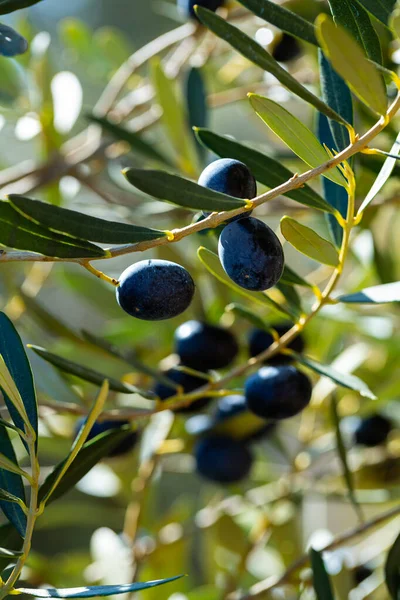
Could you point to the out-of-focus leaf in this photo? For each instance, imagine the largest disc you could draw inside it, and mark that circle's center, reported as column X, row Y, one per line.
column 350, row 15
column 284, row 19
column 392, row 570
column 349, row 61
column 178, row 190
column 292, row 298
column 88, row 374
column 12, row 541
column 266, row 170
column 82, row 226
column 8, row 6
column 335, row 194
column 137, row 143
column 295, row 135
column 289, row 277
column 12, row 483
column 4, row 553
column 379, row 294
column 321, row 582
column 308, row 242
column 212, row 263
column 341, row 448
column 395, row 23
column 196, row 103
column 251, row 50
column 380, row 9
column 383, row 176
column 96, row 590
column 247, row 314
column 16, row 231
column 13, row 352
column 344, row 379
column 11, row 42
column 90, row 454
column 13, row 83
column 174, row 118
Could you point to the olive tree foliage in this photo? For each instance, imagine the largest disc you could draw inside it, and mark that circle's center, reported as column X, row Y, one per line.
column 321, row 139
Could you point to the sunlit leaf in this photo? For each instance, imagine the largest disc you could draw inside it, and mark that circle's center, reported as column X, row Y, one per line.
column 11, row 483
column 96, row 590
column 321, row 582
column 343, row 379
column 392, row 570
column 380, row 9
column 350, row 15
column 178, row 190
column 350, row 62
column 295, row 134
column 80, row 225
column 7, row 6
column 260, row 57
column 284, row 19
column 309, row 242
column 265, row 169
column 380, row 294
column 383, row 176
column 88, row 374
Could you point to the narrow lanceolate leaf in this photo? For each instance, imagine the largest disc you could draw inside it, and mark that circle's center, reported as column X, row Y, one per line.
column 178, row 190
column 346, row 380
column 87, row 374
column 251, row 50
column 395, row 23
column 321, row 582
column 352, row 16
column 174, row 118
column 335, row 194
column 266, row 170
column 212, row 263
column 11, row 42
column 379, row 294
column 308, row 242
column 136, row 142
column 383, row 175
column 11, row 483
column 89, row 455
column 13, row 352
column 295, row 135
column 293, row 301
column 4, row 553
column 79, row 225
column 341, row 448
column 380, row 9
column 196, row 104
column 283, row 19
column 96, row 590
column 289, row 277
column 350, row 62
column 392, row 570
column 8, row 6
column 16, row 231
column 248, row 315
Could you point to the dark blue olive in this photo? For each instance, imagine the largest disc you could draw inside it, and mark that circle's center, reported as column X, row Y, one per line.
column 11, row 42
column 222, row 459
column 361, row 573
column 278, row 392
column 373, row 431
column 260, row 340
column 234, row 408
column 154, row 290
column 251, row 254
column 203, row 347
column 189, row 383
column 287, row 48
column 123, row 447
column 186, row 7
column 229, row 176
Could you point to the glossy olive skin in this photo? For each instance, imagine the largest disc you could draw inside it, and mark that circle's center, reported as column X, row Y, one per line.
column 154, row 290
column 222, row 459
column 260, row 340
column 373, row 431
column 251, row 254
column 203, row 347
column 186, row 7
column 189, row 383
column 101, row 427
column 278, row 392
